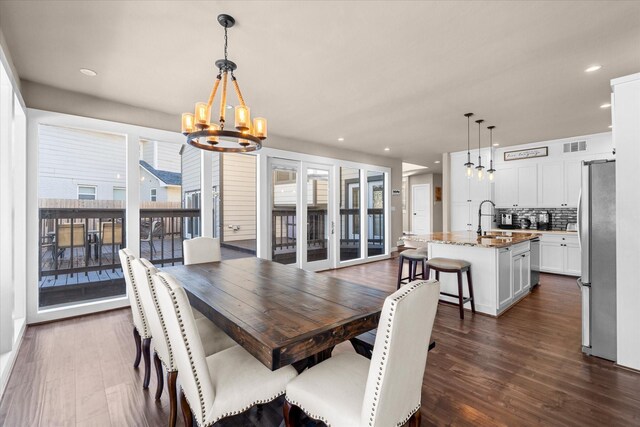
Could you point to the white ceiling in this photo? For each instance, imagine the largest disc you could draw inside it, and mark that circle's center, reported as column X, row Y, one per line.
column 380, row 74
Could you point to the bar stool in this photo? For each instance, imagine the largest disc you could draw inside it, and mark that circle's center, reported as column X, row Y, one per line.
column 413, row 257
column 458, row 266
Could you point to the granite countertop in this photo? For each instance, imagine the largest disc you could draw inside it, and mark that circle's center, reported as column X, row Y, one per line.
column 526, row 230
column 493, row 239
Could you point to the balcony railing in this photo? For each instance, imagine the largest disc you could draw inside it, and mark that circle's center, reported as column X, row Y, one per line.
column 78, row 256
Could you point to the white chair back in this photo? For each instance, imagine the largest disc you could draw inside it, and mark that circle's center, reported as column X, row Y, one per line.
column 186, row 345
column 399, row 355
column 201, row 250
column 143, row 272
column 137, row 310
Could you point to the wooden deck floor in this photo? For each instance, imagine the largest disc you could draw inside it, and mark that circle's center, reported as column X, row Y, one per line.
column 522, row 369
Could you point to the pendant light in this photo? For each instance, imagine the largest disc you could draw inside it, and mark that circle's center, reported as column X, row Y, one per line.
column 491, row 170
column 203, row 133
column 479, row 168
column 469, row 164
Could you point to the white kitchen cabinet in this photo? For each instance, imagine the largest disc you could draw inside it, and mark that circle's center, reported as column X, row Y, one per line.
column 516, row 275
column 560, row 254
column 560, row 184
column 527, row 186
column 572, row 182
column 551, row 257
column 552, row 193
column 460, row 217
column 517, row 186
column 506, row 187
column 505, row 289
column 572, row 260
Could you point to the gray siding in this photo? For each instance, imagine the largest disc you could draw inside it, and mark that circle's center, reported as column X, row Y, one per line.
column 239, row 196
column 72, row 157
column 168, row 156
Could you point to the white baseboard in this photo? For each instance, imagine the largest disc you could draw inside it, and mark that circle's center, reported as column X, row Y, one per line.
column 5, row 372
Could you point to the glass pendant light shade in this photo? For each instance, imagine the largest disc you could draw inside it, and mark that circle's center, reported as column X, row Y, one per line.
column 243, row 118
column 187, row 123
column 260, row 127
column 469, row 170
column 202, row 115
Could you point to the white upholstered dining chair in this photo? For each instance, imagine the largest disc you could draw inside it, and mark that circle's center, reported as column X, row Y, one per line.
column 212, row 337
column 218, row 386
column 141, row 332
column 348, row 390
column 200, row 250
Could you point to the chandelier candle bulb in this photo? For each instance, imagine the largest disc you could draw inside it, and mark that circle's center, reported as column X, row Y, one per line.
column 187, row 123
column 260, row 127
column 213, row 139
column 243, row 117
column 202, row 116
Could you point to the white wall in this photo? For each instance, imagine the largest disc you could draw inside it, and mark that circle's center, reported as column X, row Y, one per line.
column 626, row 138
column 13, row 249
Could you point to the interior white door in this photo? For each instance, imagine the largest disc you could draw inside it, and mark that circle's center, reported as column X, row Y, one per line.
column 421, row 209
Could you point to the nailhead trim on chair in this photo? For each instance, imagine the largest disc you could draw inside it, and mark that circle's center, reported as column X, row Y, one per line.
column 309, row 414
column 170, row 365
column 186, row 343
column 407, row 291
column 145, row 333
column 195, row 374
column 384, row 354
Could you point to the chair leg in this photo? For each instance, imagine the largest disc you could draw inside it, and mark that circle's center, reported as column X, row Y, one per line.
column 400, row 267
column 414, row 421
column 292, row 414
column 159, row 375
column 146, row 354
column 460, row 295
column 173, row 399
column 137, row 340
column 186, row 410
column 413, row 265
column 428, row 273
column 424, row 269
column 437, row 275
column 470, row 284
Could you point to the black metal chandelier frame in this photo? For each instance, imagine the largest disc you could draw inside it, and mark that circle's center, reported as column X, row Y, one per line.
column 204, row 136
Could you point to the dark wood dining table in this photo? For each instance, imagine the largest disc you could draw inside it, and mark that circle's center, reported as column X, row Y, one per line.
column 280, row 314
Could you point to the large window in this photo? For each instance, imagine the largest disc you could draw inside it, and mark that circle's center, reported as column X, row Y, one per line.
column 82, row 215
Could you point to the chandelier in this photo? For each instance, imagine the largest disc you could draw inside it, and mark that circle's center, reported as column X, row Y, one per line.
column 203, row 133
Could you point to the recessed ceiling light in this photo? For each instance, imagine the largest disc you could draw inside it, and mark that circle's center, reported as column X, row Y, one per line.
column 495, row 144
column 437, row 161
column 607, row 105
column 387, row 148
column 88, row 72
column 610, row 126
column 593, row 68
column 341, row 139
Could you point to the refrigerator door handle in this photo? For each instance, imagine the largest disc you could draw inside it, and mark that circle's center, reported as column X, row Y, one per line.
column 583, row 224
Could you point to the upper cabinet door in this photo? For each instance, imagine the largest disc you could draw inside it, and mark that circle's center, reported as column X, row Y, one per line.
column 552, row 188
column 506, row 186
column 572, row 182
column 528, row 186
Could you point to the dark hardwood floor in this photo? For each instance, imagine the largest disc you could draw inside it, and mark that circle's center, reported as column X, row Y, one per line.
column 524, row 368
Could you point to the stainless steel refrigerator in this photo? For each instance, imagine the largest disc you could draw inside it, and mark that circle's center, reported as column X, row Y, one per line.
column 597, row 236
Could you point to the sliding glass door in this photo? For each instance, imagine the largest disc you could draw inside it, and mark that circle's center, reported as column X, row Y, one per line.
column 319, row 226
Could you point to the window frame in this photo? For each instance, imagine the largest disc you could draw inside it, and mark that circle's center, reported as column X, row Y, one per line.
column 95, row 191
column 153, row 194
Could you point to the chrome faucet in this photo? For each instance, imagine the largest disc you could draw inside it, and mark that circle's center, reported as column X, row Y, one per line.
column 480, row 215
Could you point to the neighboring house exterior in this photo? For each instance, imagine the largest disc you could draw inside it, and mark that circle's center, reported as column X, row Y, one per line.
column 78, row 164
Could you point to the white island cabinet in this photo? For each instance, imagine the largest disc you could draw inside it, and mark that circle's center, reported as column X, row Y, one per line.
column 500, row 266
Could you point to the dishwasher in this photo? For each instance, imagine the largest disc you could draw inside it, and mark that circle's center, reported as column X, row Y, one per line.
column 535, row 262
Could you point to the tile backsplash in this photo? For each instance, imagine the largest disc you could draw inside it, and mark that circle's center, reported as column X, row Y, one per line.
column 559, row 218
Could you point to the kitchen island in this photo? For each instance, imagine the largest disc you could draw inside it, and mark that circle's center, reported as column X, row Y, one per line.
column 501, row 265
